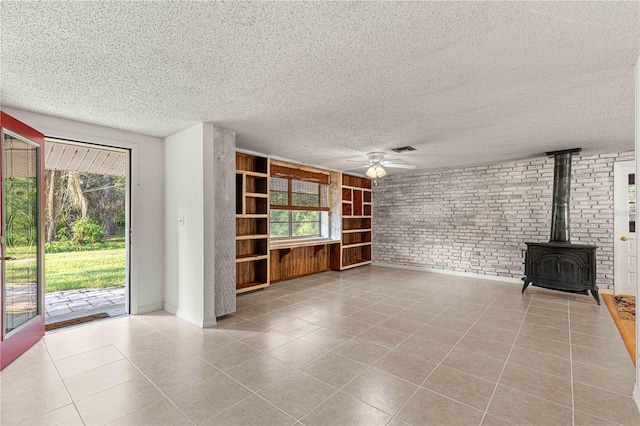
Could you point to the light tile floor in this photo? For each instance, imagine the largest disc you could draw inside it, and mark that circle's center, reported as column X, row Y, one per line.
column 367, row 346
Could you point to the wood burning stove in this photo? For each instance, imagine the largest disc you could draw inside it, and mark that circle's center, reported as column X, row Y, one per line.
column 558, row 264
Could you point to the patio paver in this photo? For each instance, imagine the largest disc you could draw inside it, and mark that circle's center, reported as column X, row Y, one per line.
column 71, row 301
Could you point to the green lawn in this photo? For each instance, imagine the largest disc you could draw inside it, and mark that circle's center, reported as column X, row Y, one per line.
column 69, row 266
column 84, row 269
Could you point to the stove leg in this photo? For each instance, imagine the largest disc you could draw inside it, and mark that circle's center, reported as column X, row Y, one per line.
column 596, row 296
column 526, row 284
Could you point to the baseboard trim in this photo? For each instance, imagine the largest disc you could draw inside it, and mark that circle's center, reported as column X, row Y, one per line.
column 449, row 272
column 169, row 308
column 188, row 318
column 209, row 323
column 150, row 308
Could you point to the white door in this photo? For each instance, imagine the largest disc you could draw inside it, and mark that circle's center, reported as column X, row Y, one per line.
column 624, row 258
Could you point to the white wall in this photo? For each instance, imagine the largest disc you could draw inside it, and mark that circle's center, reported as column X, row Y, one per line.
column 200, row 224
column 184, row 227
column 147, row 198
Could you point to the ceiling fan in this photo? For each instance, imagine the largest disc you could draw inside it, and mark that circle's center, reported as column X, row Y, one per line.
column 377, row 164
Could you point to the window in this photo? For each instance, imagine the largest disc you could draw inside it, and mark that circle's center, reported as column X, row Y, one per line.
column 295, row 223
column 297, row 203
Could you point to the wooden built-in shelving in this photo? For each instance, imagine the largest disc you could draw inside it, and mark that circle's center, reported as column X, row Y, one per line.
column 252, row 222
column 259, row 263
column 300, row 259
column 355, row 248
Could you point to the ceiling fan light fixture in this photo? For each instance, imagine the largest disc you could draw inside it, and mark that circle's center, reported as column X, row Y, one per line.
column 376, row 171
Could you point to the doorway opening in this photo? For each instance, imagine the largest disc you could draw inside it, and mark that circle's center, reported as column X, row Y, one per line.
column 86, row 205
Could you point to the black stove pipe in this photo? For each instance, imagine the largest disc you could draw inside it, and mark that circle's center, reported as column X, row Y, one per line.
column 560, row 222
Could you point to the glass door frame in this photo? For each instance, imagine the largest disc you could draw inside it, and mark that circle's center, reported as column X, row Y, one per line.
column 17, row 341
column 128, row 152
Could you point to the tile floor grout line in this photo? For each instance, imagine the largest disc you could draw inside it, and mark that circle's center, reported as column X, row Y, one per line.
column 506, row 361
column 253, row 393
column 152, row 383
column 600, row 418
column 573, row 408
column 310, row 411
column 73, row 401
column 366, row 367
column 177, row 332
column 153, row 402
column 447, row 354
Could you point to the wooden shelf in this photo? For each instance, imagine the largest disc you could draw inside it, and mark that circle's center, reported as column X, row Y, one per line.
column 252, row 222
column 250, row 287
column 256, row 174
column 355, row 249
column 351, row 223
column 356, row 187
column 349, row 231
column 249, row 257
column 356, row 245
column 252, row 164
column 251, row 236
column 292, row 243
column 367, row 262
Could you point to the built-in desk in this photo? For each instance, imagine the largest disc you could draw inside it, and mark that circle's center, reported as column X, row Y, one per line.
column 296, row 258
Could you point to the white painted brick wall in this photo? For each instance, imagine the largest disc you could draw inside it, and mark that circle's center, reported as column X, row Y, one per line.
column 477, row 219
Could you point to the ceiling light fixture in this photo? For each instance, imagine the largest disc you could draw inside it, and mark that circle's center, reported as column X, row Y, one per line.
column 376, row 171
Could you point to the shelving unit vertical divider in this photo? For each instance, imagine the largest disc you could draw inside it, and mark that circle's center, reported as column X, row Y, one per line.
column 252, row 222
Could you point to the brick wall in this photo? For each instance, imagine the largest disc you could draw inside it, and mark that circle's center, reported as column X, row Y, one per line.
column 477, row 219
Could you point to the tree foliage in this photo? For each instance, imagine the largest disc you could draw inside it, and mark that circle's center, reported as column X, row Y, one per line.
column 71, row 195
column 86, row 231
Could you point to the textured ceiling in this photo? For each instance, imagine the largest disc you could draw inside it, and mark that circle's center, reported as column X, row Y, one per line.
column 464, row 83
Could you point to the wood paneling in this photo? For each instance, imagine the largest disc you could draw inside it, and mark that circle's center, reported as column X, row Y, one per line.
column 257, row 185
column 250, row 247
column 256, row 205
column 356, row 237
column 356, row 181
column 251, row 163
column 249, row 274
column 289, row 263
column 350, row 223
column 355, row 255
column 250, row 226
column 357, row 203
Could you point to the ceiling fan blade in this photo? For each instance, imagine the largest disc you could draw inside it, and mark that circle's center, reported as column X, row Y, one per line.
column 356, row 161
column 399, row 166
column 393, row 161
